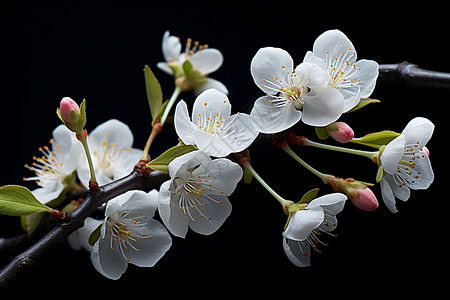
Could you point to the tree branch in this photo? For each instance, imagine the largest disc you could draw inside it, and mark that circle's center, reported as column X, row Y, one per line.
column 75, row 219
column 413, row 76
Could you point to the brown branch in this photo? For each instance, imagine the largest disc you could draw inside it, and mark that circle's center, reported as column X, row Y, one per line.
column 75, row 219
column 413, row 76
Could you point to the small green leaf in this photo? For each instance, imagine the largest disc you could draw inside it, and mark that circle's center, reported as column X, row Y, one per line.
column 376, row 139
column 95, row 235
column 32, row 223
column 19, row 201
column 362, row 103
column 380, row 173
column 309, row 196
column 187, row 67
column 322, row 132
column 154, row 92
column 161, row 163
column 248, row 176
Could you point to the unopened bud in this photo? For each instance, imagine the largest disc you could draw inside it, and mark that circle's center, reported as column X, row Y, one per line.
column 358, row 193
column 71, row 115
column 365, row 199
column 341, row 132
column 66, row 107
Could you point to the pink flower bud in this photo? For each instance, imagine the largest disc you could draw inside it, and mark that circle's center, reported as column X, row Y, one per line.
column 426, row 150
column 364, row 199
column 341, row 132
column 66, row 107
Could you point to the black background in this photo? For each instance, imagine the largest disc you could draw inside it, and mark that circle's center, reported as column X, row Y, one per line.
column 98, row 51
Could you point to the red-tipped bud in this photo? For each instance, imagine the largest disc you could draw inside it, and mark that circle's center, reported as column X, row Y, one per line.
column 72, row 115
column 341, row 132
column 364, row 199
column 66, row 107
column 360, row 195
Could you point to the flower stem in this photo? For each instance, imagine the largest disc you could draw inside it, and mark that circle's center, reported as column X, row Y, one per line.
column 280, row 199
column 82, row 139
column 321, row 175
column 368, row 154
column 156, row 129
column 172, row 100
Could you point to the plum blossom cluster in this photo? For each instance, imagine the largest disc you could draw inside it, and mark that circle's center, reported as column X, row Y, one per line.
column 137, row 226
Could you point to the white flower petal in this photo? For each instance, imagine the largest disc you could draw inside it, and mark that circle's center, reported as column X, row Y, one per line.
column 171, row 47
column 150, row 249
column 298, row 252
column 210, row 102
column 211, row 84
column 49, row 192
column 314, row 75
column 222, row 174
column 267, row 118
column 366, row 76
column 110, row 264
column 190, row 160
column 401, row 192
column 334, row 202
column 418, row 132
column 70, row 148
column 270, row 65
column 322, row 106
column 165, row 68
column 245, row 132
column 209, row 214
column 183, row 125
column 207, row 60
column 80, row 238
column 333, row 41
column 112, row 131
column 392, row 154
column 212, row 144
column 388, row 195
column 303, row 222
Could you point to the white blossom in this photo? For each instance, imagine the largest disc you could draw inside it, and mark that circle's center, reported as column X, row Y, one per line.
column 334, row 53
column 56, row 164
column 213, row 129
column 196, row 196
column 306, row 224
column 112, row 156
column 406, row 164
column 292, row 94
column 129, row 234
column 204, row 59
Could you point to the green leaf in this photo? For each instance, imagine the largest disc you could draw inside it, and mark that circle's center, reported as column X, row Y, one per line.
column 32, row 223
column 309, row 196
column 95, row 235
column 248, row 176
column 376, row 139
column 362, row 103
column 322, row 132
column 194, row 77
column 380, row 173
column 19, row 201
column 154, row 92
column 161, row 163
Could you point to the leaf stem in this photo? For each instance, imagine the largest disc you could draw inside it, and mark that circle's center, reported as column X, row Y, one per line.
column 280, row 199
column 172, row 100
column 368, row 154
